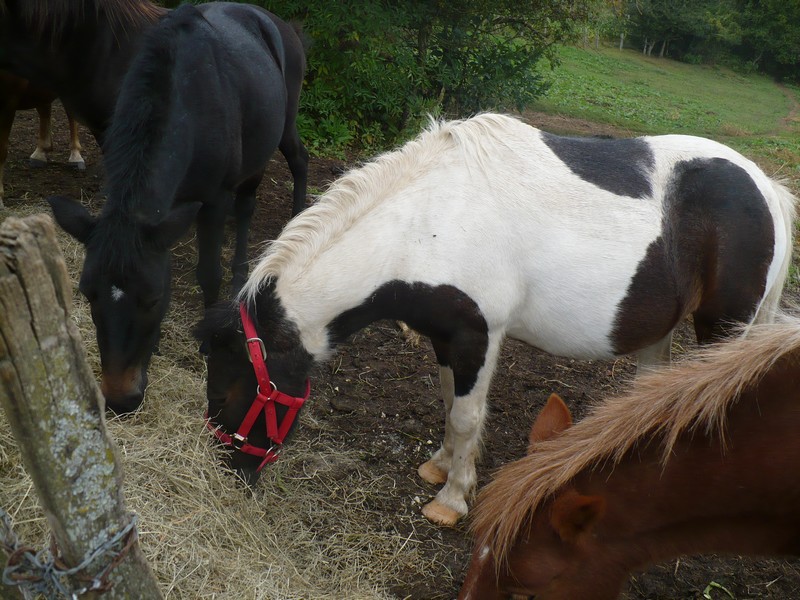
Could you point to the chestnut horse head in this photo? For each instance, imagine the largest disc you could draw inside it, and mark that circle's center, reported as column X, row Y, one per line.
column 629, row 485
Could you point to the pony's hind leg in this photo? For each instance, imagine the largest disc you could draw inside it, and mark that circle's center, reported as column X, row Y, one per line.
column 7, row 112
column 75, row 159
column 297, row 157
column 45, row 142
column 654, row 356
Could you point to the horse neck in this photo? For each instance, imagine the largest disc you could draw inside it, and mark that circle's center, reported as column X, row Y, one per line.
column 321, row 291
column 706, row 499
column 280, row 333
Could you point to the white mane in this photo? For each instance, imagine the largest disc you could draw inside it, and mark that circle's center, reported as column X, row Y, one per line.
column 362, row 189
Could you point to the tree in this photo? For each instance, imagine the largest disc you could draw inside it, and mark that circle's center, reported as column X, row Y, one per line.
column 377, row 68
column 771, row 36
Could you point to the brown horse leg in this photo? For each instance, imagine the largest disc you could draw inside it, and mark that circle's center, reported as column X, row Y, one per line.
column 75, row 158
column 45, row 142
column 7, row 112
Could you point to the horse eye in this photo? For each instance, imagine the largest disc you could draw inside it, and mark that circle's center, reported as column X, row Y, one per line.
column 148, row 304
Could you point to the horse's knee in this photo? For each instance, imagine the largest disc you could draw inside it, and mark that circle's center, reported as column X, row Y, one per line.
column 466, row 416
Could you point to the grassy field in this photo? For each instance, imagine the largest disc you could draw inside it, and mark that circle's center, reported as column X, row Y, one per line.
column 653, row 95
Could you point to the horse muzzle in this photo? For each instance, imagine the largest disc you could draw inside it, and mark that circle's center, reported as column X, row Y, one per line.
column 124, row 390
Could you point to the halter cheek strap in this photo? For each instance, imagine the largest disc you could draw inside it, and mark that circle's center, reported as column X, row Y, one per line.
column 267, row 394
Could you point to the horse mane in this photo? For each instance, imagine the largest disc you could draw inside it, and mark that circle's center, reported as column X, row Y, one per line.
column 53, row 17
column 692, row 395
column 362, row 189
column 142, row 104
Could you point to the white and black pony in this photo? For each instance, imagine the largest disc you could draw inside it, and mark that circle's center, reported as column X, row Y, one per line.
column 210, row 94
column 486, row 228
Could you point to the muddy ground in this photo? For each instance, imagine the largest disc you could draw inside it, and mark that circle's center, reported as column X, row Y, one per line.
column 381, row 394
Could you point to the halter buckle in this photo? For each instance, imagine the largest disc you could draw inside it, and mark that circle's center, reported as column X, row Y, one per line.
column 238, row 441
column 260, row 343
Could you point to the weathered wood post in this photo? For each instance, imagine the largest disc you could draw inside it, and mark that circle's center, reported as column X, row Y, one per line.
column 56, row 413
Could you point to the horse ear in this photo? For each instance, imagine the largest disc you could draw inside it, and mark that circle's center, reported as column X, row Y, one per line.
column 170, row 229
column 552, row 420
column 573, row 514
column 72, row 217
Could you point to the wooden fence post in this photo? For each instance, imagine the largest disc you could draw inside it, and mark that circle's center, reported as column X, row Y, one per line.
column 56, row 412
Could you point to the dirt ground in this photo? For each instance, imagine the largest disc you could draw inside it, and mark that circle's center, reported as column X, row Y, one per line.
column 379, row 395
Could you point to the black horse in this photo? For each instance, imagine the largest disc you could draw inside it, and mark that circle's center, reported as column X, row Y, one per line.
column 211, row 93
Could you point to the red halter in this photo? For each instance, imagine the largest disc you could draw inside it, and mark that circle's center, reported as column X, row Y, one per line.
column 263, row 401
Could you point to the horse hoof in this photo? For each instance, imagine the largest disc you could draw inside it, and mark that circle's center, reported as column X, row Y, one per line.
column 431, row 473
column 438, row 513
column 79, row 165
column 36, row 163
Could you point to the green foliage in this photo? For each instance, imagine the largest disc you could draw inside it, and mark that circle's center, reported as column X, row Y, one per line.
column 361, row 81
column 651, row 95
column 377, row 69
column 763, row 34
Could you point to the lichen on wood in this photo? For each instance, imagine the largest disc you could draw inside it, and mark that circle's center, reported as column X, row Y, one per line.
column 54, row 406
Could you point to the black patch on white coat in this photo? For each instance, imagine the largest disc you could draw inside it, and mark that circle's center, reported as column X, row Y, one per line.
column 445, row 314
column 622, row 167
column 712, row 257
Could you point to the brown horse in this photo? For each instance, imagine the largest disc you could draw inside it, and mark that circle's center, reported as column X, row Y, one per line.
column 16, row 94
column 78, row 50
column 83, row 50
column 703, row 457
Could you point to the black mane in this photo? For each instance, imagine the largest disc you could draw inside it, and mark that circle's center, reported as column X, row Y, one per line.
column 145, row 101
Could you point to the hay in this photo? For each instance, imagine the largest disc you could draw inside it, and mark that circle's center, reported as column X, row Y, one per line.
column 302, row 534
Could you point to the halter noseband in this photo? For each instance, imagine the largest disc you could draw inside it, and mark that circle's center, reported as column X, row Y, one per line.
column 262, row 402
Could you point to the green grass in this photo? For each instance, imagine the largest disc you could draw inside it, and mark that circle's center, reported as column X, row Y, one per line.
column 655, row 95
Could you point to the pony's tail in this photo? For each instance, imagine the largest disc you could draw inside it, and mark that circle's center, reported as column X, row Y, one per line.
column 787, row 203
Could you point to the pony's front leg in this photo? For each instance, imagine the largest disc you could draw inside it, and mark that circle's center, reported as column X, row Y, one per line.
column 210, row 233
column 435, row 470
column 464, row 426
column 244, row 208
column 44, row 143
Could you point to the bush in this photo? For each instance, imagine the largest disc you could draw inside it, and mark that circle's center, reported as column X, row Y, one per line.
column 377, row 69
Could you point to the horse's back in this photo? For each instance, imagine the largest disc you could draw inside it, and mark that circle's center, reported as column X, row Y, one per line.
column 640, row 233
column 229, row 69
column 578, row 246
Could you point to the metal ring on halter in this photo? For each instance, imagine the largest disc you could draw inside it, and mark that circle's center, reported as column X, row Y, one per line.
column 260, row 343
column 271, row 384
